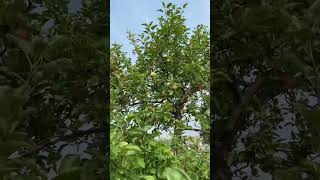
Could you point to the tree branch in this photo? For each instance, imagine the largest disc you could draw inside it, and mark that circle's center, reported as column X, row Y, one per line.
column 153, row 102
column 197, row 130
column 54, row 139
column 225, row 140
column 245, row 101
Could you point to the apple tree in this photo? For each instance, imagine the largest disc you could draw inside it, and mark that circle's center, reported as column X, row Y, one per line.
column 265, row 89
column 53, row 83
column 164, row 90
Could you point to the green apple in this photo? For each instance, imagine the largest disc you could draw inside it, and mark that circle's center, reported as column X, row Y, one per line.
column 153, row 74
column 174, row 86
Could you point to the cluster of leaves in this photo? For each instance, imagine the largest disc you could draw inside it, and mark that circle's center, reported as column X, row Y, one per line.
column 53, row 82
column 165, row 89
column 265, row 89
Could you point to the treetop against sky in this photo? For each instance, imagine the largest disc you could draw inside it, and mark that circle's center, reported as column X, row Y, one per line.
column 128, row 15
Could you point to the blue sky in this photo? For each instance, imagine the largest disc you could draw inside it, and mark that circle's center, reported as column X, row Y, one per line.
column 128, row 15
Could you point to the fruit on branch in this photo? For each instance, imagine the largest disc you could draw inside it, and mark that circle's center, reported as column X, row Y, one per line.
column 162, row 94
column 287, row 82
column 174, row 86
column 200, row 87
column 23, row 32
column 153, row 73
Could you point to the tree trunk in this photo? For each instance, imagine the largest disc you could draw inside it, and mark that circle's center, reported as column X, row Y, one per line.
column 221, row 169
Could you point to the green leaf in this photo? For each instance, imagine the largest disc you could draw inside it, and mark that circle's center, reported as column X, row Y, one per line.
column 132, row 147
column 16, row 61
column 38, row 47
column 312, row 116
column 185, row 5
column 62, row 65
column 153, row 27
column 175, row 174
column 140, row 162
column 24, row 45
column 11, row 145
column 292, row 174
column 122, row 144
column 11, row 16
column 314, row 10
column 68, row 162
column 72, row 173
column 146, row 127
column 148, row 177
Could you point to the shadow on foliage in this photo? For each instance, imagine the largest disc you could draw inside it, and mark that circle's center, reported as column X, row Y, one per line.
column 53, row 83
column 265, row 89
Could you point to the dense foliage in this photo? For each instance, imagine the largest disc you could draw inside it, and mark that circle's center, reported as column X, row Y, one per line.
column 53, row 82
column 265, row 89
column 164, row 90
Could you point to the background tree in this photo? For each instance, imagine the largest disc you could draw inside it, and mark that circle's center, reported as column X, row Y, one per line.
column 164, row 90
column 53, row 83
column 265, row 89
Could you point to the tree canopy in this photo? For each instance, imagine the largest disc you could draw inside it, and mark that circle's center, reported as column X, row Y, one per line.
column 265, row 89
column 53, row 83
column 164, row 90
